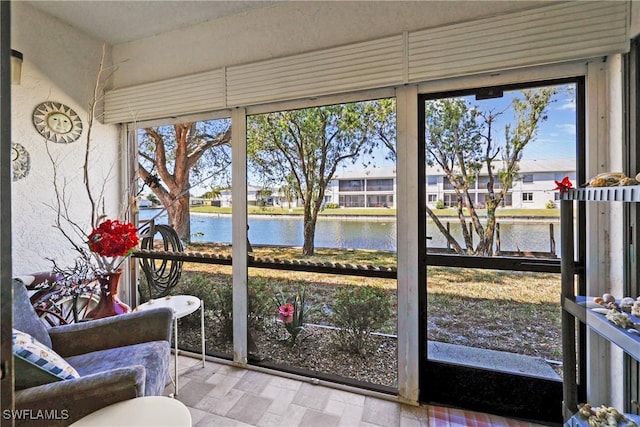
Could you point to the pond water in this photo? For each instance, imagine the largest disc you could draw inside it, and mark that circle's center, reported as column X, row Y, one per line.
column 377, row 233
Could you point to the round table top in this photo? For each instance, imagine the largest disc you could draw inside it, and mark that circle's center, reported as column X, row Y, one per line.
column 182, row 305
column 142, row 411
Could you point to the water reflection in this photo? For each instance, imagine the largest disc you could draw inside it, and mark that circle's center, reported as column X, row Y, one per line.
column 355, row 233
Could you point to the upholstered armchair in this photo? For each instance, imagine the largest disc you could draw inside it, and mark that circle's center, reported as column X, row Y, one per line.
column 109, row 360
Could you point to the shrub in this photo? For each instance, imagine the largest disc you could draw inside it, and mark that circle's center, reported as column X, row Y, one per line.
column 357, row 312
column 218, row 303
column 439, row 204
column 331, row 205
column 550, row 204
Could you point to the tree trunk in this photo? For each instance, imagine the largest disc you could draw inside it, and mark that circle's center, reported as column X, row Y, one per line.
column 180, row 219
column 450, row 239
column 309, row 236
column 485, row 247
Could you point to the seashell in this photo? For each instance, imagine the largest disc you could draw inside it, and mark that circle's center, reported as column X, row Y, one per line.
column 626, row 303
column 608, row 298
column 606, row 179
column 599, row 300
column 627, row 181
column 621, row 320
column 638, row 177
column 600, row 310
column 635, row 310
column 612, row 306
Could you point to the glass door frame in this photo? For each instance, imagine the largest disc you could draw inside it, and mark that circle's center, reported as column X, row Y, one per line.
column 453, row 379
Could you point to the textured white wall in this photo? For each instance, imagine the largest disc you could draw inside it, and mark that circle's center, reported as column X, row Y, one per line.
column 59, row 65
column 286, row 29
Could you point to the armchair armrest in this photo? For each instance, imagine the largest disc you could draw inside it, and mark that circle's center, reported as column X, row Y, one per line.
column 69, row 400
column 110, row 332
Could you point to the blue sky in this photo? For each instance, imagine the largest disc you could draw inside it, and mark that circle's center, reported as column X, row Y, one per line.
column 556, row 136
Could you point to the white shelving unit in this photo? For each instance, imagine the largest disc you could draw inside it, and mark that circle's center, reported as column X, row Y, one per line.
column 573, row 306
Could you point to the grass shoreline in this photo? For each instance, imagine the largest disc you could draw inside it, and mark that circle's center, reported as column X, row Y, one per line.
column 378, row 212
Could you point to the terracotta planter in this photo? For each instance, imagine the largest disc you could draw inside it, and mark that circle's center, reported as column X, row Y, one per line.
column 109, row 304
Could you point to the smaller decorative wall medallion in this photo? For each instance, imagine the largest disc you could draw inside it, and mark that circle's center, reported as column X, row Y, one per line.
column 20, row 161
column 57, row 122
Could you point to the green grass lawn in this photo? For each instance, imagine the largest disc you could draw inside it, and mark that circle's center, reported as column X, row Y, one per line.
column 512, row 311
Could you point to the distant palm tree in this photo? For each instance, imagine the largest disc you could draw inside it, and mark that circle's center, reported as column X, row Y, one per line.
column 213, row 193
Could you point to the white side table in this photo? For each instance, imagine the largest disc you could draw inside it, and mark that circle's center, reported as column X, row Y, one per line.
column 182, row 305
column 142, row 411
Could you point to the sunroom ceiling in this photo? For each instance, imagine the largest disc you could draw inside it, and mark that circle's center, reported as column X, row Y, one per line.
column 119, row 21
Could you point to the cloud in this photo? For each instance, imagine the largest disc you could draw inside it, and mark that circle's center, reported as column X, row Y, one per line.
column 568, row 128
column 568, row 105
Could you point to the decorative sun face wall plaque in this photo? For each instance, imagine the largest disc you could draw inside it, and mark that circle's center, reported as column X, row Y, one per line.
column 20, row 161
column 57, row 122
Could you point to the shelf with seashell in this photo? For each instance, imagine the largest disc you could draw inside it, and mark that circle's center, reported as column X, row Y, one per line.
column 600, row 320
column 616, row 326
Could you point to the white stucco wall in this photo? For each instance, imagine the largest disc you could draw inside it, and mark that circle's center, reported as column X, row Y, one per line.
column 286, row 29
column 59, row 65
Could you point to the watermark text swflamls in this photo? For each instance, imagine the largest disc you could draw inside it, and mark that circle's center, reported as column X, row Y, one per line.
column 36, row 414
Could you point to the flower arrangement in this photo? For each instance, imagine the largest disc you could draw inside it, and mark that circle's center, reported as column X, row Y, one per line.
column 111, row 242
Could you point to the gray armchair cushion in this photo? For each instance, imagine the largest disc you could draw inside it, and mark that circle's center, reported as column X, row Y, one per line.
column 73, row 399
column 153, row 356
column 25, row 318
column 110, row 332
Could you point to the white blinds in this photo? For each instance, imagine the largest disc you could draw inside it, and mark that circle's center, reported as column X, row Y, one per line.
column 551, row 34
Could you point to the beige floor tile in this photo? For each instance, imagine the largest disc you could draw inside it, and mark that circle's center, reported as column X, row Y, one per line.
column 347, row 397
column 270, row 419
column 411, row 422
column 231, row 371
column 193, row 392
column 285, row 383
column 312, row 396
column 231, row 396
column 293, row 416
column 381, row 412
column 249, row 408
column 222, row 383
column 220, row 405
column 351, row 416
column 282, row 398
column 217, row 421
column 252, row 382
column 313, row 418
column 197, row 415
column 335, row 407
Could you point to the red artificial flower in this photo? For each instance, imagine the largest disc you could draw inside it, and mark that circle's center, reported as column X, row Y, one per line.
column 563, row 185
column 113, row 238
column 285, row 313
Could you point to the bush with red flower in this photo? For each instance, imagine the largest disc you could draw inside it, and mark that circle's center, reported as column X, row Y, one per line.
column 293, row 312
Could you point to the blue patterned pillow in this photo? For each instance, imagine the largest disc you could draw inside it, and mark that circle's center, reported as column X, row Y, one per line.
column 36, row 363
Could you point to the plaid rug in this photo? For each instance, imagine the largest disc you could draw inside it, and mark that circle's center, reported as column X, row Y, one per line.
column 449, row 417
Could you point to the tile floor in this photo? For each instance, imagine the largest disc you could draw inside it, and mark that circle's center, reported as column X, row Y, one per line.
column 222, row 395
